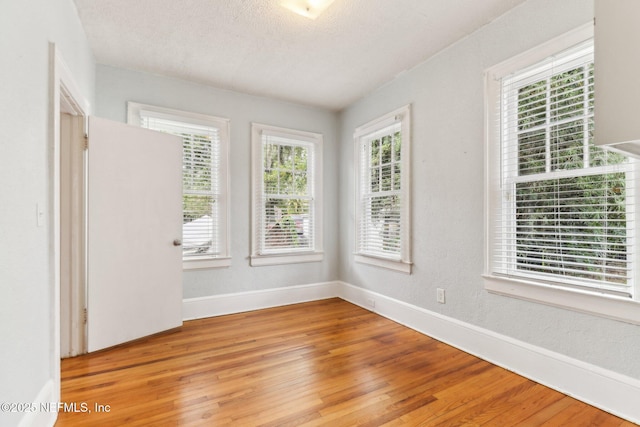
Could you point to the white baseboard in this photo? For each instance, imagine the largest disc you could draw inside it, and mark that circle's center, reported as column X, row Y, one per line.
column 39, row 416
column 218, row 305
column 604, row 389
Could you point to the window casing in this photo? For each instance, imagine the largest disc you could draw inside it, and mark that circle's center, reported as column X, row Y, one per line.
column 205, row 226
column 287, row 196
column 382, row 191
column 561, row 212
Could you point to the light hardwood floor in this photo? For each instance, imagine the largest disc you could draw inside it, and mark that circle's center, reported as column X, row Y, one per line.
column 323, row 363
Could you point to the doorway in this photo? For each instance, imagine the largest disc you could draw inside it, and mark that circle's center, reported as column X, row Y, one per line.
column 117, row 275
column 69, row 112
column 72, row 229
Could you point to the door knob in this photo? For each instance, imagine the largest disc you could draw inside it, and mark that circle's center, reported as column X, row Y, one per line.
column 177, row 242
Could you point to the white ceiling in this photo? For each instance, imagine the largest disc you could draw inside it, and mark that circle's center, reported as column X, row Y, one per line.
column 258, row 47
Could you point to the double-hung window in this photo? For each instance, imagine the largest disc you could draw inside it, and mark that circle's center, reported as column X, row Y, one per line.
column 287, row 196
column 205, row 139
column 561, row 217
column 382, row 182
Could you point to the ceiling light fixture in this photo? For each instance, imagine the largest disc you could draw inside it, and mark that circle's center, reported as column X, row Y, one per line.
column 307, row 8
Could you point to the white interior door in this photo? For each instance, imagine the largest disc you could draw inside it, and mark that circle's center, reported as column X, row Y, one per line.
column 134, row 269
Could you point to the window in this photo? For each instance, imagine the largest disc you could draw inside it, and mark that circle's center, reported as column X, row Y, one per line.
column 561, row 210
column 287, row 197
column 204, row 179
column 382, row 180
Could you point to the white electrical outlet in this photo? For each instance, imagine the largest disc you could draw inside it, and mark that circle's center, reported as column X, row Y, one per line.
column 371, row 302
column 440, row 296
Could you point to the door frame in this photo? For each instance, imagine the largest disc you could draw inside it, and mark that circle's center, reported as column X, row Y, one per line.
column 72, row 230
column 64, row 97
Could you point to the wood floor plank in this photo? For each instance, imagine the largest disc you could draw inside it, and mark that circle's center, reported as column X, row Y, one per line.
column 322, row 363
column 467, row 397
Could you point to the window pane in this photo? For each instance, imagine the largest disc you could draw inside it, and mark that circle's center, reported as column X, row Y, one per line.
column 397, row 145
column 270, row 156
column 375, row 152
column 385, row 177
column 196, row 165
column 567, row 145
column 382, row 225
column 532, row 152
column 386, row 149
column 567, row 94
column 397, row 177
column 300, row 159
column 287, row 223
column 199, row 224
column 574, row 227
column 375, row 180
column 532, row 105
column 271, row 180
column 285, row 169
column 300, row 184
column 285, row 182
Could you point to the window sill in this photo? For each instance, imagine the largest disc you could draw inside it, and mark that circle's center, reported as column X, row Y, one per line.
column 609, row 306
column 401, row 266
column 290, row 258
column 202, row 263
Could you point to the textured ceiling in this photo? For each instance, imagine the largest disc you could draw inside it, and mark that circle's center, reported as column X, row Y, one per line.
column 258, row 47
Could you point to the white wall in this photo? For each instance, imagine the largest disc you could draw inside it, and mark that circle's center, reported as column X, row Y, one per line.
column 26, row 270
column 446, row 93
column 114, row 87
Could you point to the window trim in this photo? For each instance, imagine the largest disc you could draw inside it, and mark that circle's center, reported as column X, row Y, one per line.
column 401, row 115
column 134, row 112
column 315, row 254
column 581, row 300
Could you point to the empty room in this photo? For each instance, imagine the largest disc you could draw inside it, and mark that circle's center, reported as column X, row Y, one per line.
column 306, row 213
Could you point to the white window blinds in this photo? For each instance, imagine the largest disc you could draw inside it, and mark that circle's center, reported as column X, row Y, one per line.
column 380, row 224
column 285, row 204
column 566, row 209
column 201, row 182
